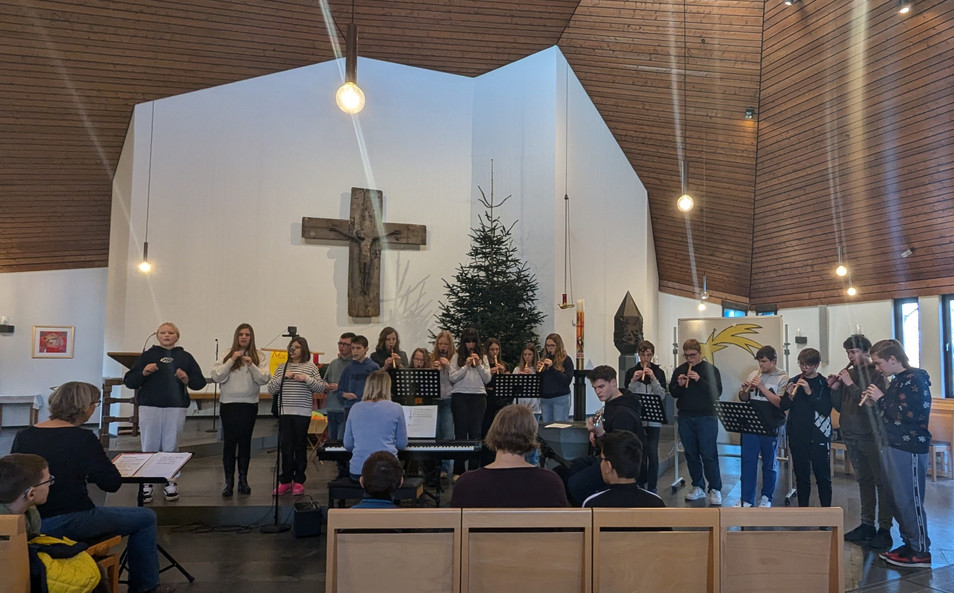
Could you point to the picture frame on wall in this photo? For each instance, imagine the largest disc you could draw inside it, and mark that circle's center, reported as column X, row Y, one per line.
column 53, row 341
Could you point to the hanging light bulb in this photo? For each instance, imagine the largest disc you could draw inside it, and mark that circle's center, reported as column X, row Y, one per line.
column 705, row 290
column 841, row 270
column 144, row 266
column 904, row 6
column 701, row 306
column 350, row 97
column 685, row 203
column 852, row 291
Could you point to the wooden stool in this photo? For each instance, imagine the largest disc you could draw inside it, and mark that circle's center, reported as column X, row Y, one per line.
column 101, row 552
column 345, row 488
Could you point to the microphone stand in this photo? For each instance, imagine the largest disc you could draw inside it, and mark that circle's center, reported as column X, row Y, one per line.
column 277, row 527
column 215, row 391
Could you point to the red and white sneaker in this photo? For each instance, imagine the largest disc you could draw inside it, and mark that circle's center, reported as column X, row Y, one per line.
column 298, row 489
column 909, row 558
column 282, row 489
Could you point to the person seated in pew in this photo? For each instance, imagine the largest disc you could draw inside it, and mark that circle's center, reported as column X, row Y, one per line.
column 510, row 481
column 621, row 456
column 25, row 482
column 375, row 423
column 76, row 458
column 381, row 476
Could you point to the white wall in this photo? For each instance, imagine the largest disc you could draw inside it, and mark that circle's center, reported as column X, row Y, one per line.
column 69, row 297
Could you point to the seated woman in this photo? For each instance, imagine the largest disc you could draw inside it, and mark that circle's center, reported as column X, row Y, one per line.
column 75, row 457
column 510, row 481
column 375, row 423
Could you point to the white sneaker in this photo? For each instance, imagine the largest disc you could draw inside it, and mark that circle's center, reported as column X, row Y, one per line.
column 171, row 490
column 743, row 505
column 146, row 493
column 715, row 498
column 696, row 493
column 765, row 502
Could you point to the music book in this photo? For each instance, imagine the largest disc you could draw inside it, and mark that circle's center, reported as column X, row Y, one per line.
column 421, row 421
column 150, row 465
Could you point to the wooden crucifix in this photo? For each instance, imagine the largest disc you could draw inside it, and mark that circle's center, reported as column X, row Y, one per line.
column 367, row 235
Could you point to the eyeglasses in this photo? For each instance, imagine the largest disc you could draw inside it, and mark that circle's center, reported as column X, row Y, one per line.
column 50, row 482
column 96, row 403
column 807, row 364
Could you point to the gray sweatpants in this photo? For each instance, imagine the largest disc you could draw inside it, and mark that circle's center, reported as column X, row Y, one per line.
column 159, row 428
column 904, row 474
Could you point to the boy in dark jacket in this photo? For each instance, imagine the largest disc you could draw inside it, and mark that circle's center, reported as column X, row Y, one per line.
column 808, row 403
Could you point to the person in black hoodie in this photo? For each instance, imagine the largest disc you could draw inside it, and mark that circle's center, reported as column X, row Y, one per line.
column 648, row 378
column 620, row 411
column 808, row 403
column 161, row 375
column 905, row 408
column 697, row 385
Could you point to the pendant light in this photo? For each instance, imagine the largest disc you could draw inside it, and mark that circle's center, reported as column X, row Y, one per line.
column 350, row 97
column 145, row 266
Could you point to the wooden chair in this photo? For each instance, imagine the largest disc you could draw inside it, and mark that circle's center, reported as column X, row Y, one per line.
column 102, row 553
column 14, row 562
column 393, row 550
column 635, row 550
column 941, row 425
column 838, row 446
column 788, row 553
column 502, row 550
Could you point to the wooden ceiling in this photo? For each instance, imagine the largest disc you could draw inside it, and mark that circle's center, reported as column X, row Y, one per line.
column 850, row 145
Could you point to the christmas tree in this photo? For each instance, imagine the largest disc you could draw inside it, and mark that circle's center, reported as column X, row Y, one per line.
column 495, row 291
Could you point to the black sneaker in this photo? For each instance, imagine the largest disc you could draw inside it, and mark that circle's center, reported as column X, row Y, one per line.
column 897, row 552
column 862, row 533
column 910, row 559
column 881, row 541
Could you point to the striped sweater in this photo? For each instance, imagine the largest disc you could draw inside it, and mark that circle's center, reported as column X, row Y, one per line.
column 297, row 397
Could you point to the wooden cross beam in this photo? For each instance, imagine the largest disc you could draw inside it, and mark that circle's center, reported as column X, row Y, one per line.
column 367, row 236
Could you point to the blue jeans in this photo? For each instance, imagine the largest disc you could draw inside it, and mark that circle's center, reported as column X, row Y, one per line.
column 698, row 435
column 555, row 409
column 752, row 447
column 336, row 425
column 445, row 429
column 136, row 522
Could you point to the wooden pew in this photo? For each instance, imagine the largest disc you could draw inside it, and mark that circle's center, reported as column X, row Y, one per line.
column 393, row 550
column 788, row 554
column 14, row 563
column 634, row 550
column 526, row 550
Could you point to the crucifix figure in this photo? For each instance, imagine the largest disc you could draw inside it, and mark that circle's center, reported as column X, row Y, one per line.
column 367, row 235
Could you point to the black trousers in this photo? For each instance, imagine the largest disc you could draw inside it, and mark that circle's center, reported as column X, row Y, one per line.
column 807, row 459
column 649, row 474
column 468, row 410
column 294, row 446
column 238, row 422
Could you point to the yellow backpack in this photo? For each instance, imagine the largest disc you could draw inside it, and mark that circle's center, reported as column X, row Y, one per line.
column 77, row 573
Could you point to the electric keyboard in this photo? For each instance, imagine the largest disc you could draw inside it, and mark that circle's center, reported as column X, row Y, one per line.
column 428, row 449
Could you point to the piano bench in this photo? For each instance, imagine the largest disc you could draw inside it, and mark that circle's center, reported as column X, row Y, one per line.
column 345, row 488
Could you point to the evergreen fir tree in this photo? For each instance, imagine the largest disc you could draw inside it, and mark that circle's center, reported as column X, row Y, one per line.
column 495, row 291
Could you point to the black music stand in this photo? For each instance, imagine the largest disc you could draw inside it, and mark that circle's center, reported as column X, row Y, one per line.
column 415, row 387
column 140, row 500
column 742, row 418
column 651, row 408
column 517, row 385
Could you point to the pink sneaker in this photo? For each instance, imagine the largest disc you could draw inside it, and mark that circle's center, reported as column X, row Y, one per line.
column 282, row 489
column 298, row 489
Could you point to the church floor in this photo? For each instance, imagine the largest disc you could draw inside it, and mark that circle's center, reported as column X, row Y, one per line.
column 235, row 557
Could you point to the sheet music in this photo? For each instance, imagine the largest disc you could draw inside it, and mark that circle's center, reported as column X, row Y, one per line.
column 421, row 421
column 150, row 465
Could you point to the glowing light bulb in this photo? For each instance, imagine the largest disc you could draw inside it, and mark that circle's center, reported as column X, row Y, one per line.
column 701, row 306
column 145, row 266
column 350, row 98
column 685, row 203
column 852, row 291
column 841, row 270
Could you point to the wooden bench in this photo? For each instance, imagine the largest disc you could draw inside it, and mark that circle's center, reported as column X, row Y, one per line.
column 342, row 489
column 14, row 562
column 586, row 550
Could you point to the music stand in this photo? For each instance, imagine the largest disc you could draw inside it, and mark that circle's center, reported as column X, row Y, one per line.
column 652, row 409
column 517, row 385
column 140, row 500
column 415, row 387
column 742, row 418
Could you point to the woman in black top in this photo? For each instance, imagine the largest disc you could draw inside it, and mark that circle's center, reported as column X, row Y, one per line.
column 75, row 458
